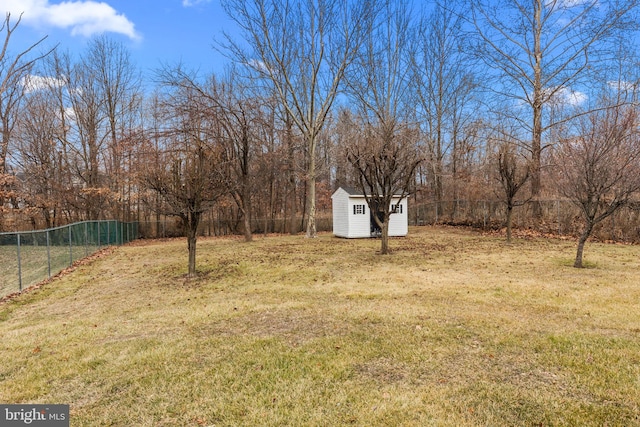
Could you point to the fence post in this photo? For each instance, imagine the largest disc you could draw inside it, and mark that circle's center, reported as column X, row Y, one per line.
column 70, row 247
column 48, row 254
column 86, row 240
column 99, row 234
column 19, row 265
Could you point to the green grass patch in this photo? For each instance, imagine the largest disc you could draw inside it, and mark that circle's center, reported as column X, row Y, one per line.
column 452, row 328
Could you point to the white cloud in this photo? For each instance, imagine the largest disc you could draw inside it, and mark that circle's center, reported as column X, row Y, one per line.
column 622, row 85
column 258, row 65
column 573, row 3
column 573, row 97
column 70, row 113
column 33, row 83
column 81, row 17
column 567, row 96
column 189, row 3
column 566, row 4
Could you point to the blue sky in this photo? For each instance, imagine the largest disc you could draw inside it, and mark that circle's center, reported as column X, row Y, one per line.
column 154, row 31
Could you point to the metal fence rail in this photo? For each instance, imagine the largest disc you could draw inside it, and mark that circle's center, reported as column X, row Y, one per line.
column 28, row 257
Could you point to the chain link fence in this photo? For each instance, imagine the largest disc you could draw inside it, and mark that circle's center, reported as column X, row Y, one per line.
column 557, row 217
column 29, row 257
column 170, row 227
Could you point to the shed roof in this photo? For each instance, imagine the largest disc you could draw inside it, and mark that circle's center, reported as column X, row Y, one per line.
column 352, row 191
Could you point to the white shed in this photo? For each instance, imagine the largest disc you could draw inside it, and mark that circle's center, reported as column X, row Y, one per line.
column 352, row 217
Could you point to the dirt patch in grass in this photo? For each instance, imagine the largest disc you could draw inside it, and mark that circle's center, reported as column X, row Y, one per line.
column 384, row 370
column 295, row 326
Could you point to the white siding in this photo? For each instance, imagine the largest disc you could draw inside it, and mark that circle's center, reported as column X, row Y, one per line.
column 350, row 225
column 359, row 224
column 399, row 222
column 340, row 203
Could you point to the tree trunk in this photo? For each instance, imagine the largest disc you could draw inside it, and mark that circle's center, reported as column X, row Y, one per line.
column 538, row 102
column 509, row 222
column 246, row 214
column 583, row 239
column 191, row 244
column 247, row 227
column 191, row 224
column 384, row 247
column 311, row 192
column 536, row 182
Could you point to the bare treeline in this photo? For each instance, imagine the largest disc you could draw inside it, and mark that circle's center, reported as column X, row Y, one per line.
column 483, row 100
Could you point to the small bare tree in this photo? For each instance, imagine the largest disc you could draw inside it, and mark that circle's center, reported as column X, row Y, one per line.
column 385, row 161
column 184, row 169
column 512, row 175
column 385, row 154
column 599, row 166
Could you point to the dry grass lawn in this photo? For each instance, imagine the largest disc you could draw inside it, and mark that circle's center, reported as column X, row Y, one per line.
column 452, row 329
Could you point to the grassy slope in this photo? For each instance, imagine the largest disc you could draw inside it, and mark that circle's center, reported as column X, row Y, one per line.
column 452, row 329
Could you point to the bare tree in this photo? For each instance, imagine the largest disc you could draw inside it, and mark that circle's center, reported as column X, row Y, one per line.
column 238, row 117
column 40, row 157
column 302, row 48
column 86, row 140
column 291, row 144
column 599, row 165
column 385, row 155
column 97, row 103
column 119, row 87
column 14, row 71
column 445, row 84
column 345, row 130
column 512, row 174
column 184, row 171
column 541, row 50
column 385, row 164
column 57, row 84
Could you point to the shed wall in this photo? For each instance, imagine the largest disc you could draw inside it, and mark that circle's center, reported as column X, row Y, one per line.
column 399, row 222
column 359, row 224
column 350, row 224
column 340, row 203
